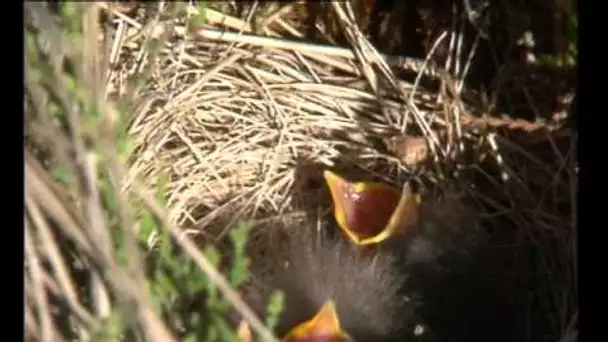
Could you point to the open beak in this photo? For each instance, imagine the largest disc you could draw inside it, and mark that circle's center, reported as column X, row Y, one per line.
column 324, row 326
column 369, row 212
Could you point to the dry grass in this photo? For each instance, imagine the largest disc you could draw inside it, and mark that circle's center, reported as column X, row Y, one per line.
column 236, row 120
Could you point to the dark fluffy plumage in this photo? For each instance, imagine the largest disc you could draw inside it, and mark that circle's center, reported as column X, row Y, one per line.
column 446, row 231
column 310, row 267
column 377, row 295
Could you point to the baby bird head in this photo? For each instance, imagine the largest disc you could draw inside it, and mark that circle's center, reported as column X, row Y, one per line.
column 347, row 295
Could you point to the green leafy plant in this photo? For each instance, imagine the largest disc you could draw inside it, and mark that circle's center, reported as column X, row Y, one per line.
column 88, row 149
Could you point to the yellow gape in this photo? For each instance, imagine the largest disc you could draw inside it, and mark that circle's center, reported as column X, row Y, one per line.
column 370, row 212
column 324, row 326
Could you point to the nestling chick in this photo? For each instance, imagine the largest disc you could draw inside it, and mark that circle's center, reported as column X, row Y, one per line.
column 370, row 294
column 372, row 213
column 440, row 245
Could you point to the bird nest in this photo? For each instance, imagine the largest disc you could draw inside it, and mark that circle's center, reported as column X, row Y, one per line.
column 239, row 123
column 240, row 126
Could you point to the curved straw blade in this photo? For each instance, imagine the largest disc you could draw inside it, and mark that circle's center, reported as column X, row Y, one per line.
column 370, row 212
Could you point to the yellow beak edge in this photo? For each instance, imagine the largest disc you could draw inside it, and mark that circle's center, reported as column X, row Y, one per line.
column 324, row 324
column 404, row 215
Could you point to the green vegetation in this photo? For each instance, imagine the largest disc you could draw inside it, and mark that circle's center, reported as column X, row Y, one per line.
column 84, row 152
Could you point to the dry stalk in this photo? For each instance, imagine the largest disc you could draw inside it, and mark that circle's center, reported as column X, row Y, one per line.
column 47, row 331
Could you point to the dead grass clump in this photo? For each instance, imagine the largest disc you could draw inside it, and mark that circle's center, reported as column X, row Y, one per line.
column 234, row 117
column 234, row 120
